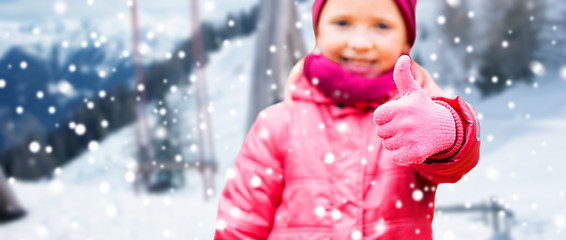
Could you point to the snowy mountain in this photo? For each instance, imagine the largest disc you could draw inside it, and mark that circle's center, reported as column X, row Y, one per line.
column 96, row 189
column 54, row 62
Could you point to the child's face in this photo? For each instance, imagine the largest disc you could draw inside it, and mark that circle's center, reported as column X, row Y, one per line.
column 364, row 36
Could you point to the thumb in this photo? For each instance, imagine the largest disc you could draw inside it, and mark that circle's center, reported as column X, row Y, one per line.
column 403, row 78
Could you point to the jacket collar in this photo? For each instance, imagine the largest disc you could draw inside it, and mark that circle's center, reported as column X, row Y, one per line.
column 304, row 91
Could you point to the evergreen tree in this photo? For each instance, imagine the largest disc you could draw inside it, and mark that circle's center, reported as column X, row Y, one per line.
column 513, row 44
column 454, row 60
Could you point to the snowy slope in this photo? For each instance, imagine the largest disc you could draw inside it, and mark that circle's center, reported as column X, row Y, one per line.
column 91, row 198
column 521, row 164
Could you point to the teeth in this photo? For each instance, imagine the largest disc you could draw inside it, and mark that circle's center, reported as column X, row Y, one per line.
column 359, row 62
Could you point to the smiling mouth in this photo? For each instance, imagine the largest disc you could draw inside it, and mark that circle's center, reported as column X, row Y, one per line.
column 358, row 62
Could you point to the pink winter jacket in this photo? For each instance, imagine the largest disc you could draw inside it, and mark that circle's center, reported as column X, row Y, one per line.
column 312, row 170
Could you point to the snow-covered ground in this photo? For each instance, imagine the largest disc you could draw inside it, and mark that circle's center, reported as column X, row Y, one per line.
column 93, row 197
column 521, row 165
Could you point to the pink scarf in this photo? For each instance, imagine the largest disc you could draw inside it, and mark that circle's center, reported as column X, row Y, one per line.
column 344, row 87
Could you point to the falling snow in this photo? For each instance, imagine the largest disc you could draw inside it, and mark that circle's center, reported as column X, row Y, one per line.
column 34, row 147
column 93, row 146
column 509, row 159
column 537, row 68
column 19, row 110
column 80, row 129
column 23, row 65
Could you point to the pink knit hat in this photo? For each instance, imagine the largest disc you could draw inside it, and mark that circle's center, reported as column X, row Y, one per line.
column 406, row 7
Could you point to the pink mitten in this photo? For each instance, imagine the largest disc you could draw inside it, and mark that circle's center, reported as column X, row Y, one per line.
column 413, row 127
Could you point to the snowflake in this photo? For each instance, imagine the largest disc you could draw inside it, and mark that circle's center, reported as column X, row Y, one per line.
column 494, row 79
column 235, row 212
column 255, row 181
column 336, row 214
column 65, row 88
column 329, row 158
column 34, row 147
column 19, row 110
column 93, row 146
column 559, row 221
column 130, row 177
column 104, row 187
column 433, row 57
column 56, row 186
column 220, row 225
column 356, row 235
column 264, row 134
column 441, row 20
column 342, row 127
column 319, row 211
column 398, row 204
column 166, row 233
column 380, row 226
column 80, row 129
column 48, row 150
column 471, row 14
column 418, row 195
column 492, row 173
column 42, row 232
column 111, row 210
column 537, row 68
column 453, row 3
column 181, row 54
column 230, row 173
column 562, row 74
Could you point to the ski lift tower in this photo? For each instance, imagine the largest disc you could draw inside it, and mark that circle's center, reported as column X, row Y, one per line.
column 143, row 140
column 280, row 45
column 207, row 164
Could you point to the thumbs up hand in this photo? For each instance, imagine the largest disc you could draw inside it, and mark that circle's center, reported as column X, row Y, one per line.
column 413, row 127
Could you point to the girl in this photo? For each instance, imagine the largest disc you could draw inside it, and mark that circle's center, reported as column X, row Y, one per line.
column 312, row 167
